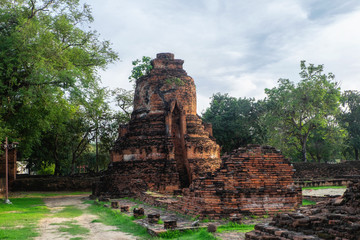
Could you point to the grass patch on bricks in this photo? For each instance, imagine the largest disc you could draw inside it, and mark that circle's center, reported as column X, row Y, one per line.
column 235, row 227
column 306, row 202
column 322, row 187
column 123, row 222
column 19, row 219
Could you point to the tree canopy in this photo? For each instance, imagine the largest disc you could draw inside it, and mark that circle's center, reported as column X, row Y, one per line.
column 235, row 121
column 299, row 109
column 49, row 62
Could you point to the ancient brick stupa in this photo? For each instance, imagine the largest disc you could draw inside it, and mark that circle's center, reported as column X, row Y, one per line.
column 166, row 145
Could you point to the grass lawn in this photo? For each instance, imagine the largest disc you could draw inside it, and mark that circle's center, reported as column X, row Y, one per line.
column 123, row 222
column 19, row 220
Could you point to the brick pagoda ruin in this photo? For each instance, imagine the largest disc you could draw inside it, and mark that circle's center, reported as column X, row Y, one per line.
column 166, row 147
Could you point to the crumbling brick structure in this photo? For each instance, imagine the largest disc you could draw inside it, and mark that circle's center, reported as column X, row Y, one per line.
column 337, row 219
column 166, row 145
column 254, row 180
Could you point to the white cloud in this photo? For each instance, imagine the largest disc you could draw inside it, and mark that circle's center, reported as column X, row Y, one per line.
column 236, row 47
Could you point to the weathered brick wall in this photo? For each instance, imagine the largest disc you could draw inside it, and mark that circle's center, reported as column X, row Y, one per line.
column 338, row 219
column 126, row 179
column 310, row 171
column 52, row 183
column 254, row 180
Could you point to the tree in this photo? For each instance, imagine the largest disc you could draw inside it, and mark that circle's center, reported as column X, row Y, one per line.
column 300, row 109
column 235, row 121
column 350, row 119
column 45, row 55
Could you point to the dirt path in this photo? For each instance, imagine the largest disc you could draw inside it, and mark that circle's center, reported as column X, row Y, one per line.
column 50, row 227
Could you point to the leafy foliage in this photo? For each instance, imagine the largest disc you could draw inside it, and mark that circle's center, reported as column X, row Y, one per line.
column 236, row 122
column 299, row 110
column 49, row 93
column 141, row 68
column 350, row 119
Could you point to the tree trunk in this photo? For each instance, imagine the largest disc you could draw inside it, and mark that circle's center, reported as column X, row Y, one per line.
column 356, row 154
column 96, row 150
column 73, row 163
column 57, row 162
column 303, row 150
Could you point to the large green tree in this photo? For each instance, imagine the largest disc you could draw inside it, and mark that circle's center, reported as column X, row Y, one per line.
column 297, row 110
column 46, row 54
column 350, row 119
column 235, row 121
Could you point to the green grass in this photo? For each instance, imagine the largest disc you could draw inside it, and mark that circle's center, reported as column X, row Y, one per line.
column 71, row 228
column 201, row 234
column 307, row 202
column 235, row 227
column 19, row 220
column 123, row 222
column 322, row 187
column 69, row 212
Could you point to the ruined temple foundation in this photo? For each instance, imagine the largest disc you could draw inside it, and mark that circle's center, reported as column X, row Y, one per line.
column 166, row 147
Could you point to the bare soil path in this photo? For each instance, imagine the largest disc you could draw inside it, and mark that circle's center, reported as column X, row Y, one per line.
column 50, row 227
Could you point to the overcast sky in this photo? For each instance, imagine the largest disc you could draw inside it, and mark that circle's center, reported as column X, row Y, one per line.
column 233, row 46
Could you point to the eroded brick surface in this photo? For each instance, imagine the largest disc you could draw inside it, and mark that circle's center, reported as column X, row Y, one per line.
column 254, row 180
column 337, row 219
column 166, row 145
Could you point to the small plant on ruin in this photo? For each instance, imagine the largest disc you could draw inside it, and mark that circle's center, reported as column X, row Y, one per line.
column 141, row 68
column 205, row 220
column 160, row 221
column 195, row 218
column 175, row 80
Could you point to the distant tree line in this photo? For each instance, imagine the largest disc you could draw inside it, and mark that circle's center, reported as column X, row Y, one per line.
column 308, row 121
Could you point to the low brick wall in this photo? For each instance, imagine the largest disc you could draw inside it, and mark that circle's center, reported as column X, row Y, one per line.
column 53, row 183
column 308, row 171
column 127, row 178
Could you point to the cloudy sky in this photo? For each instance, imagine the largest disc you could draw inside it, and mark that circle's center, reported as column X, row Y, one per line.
column 238, row 47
